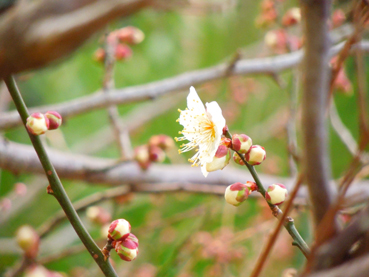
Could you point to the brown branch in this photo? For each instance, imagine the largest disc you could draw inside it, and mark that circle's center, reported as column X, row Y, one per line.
column 358, row 268
column 35, row 33
column 315, row 80
column 270, row 65
column 19, row 158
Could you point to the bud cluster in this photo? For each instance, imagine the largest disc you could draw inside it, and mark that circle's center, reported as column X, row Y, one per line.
column 124, row 242
column 154, row 151
column 38, row 123
column 237, row 193
column 118, row 41
column 253, row 154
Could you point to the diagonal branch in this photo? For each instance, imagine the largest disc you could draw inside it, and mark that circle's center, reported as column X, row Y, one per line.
column 97, row 100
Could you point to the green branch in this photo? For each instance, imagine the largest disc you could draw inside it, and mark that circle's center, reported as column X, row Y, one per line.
column 288, row 224
column 57, row 187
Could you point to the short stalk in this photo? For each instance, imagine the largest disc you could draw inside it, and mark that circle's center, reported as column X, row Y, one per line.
column 288, row 224
column 56, row 187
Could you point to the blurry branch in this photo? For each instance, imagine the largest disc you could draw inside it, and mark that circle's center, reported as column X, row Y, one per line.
column 131, row 121
column 82, row 205
column 344, row 133
column 315, row 81
column 336, row 250
column 120, row 132
column 98, row 100
column 35, row 33
column 19, row 158
column 359, row 267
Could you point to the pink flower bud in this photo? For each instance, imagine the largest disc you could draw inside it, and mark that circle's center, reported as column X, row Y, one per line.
column 127, row 249
column 225, row 130
column 156, row 154
column 55, row 119
column 220, row 160
column 36, row 271
column 133, row 238
column 237, row 159
column 28, row 239
column 338, row 18
column 20, row 189
column 98, row 215
column 142, row 156
column 292, row 17
column 276, row 194
column 252, row 186
column 122, row 52
column 256, row 155
column 241, row 143
column 236, row 193
column 163, row 141
column 37, row 124
column 131, row 35
column 277, row 40
column 99, row 55
column 119, row 229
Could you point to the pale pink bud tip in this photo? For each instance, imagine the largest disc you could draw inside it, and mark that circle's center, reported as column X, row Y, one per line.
column 37, row 124
column 99, row 55
column 163, row 141
column 28, row 239
column 98, row 215
column 55, row 119
column 276, row 194
column 142, row 156
column 119, row 230
column 256, row 155
column 237, row 159
column 221, row 158
column 241, row 143
column 292, row 17
column 127, row 250
column 236, row 193
column 131, row 35
column 36, row 271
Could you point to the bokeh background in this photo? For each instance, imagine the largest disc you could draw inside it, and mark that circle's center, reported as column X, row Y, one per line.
column 181, row 234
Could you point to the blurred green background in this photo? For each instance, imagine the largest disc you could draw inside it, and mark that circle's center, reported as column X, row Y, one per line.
column 180, row 234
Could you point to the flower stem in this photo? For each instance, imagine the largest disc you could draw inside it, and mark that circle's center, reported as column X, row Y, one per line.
column 288, row 224
column 57, row 187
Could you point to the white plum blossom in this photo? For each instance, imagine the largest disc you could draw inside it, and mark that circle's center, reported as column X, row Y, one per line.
column 203, row 128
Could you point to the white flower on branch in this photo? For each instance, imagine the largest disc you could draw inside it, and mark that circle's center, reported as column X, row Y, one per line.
column 203, row 129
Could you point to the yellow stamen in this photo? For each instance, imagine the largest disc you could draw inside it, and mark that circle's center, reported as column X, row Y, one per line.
column 179, row 151
column 180, row 132
column 176, row 139
column 179, row 110
column 177, row 120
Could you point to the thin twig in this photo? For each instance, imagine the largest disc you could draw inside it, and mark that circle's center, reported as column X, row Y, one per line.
column 58, row 190
column 183, row 81
column 289, row 225
column 283, row 220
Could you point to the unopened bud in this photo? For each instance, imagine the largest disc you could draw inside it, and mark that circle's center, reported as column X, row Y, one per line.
column 133, row 238
column 156, row 154
column 131, row 35
column 98, row 215
column 36, row 271
column 122, row 52
column 276, row 40
column 163, row 141
column 238, row 159
column 55, row 119
column 252, row 186
column 99, row 55
column 276, row 194
column 20, row 189
column 236, row 193
column 338, row 18
column 221, row 158
column 241, row 143
column 142, row 156
column 127, row 250
column 256, row 155
column 225, row 130
column 292, row 17
column 37, row 124
column 119, row 230
column 28, row 239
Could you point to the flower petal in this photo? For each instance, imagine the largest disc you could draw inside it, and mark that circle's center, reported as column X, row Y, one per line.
column 194, row 102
